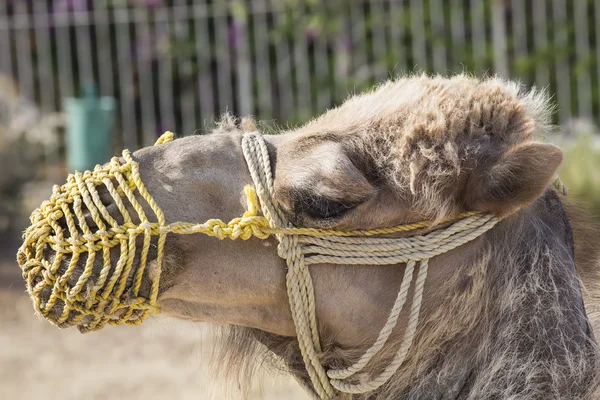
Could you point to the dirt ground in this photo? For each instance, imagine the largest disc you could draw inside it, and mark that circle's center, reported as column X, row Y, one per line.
column 162, row 359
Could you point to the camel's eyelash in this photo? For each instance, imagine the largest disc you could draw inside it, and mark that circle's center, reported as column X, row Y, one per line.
column 320, row 207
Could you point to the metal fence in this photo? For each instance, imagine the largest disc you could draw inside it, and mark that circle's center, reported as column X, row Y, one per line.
column 176, row 64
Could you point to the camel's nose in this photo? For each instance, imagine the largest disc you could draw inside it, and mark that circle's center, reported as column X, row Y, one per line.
column 86, row 257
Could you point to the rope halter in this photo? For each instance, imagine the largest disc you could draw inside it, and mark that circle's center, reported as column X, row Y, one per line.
column 76, row 227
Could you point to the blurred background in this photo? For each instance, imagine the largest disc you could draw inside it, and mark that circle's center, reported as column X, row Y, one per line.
column 82, row 79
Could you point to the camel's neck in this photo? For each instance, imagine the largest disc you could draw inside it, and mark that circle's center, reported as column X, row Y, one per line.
column 524, row 333
column 518, row 329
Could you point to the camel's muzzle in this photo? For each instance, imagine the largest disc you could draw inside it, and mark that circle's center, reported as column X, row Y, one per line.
column 87, row 264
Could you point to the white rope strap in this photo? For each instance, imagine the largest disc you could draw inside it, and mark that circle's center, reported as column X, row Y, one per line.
column 298, row 281
column 404, row 347
column 385, row 332
column 302, row 250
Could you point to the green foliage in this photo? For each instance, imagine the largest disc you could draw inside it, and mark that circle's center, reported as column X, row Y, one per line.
column 579, row 173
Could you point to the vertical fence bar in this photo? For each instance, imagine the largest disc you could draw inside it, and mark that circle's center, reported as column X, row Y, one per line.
column 165, row 70
column 186, row 74
column 540, row 40
column 144, row 58
column 478, row 36
column 302, row 73
column 203, row 60
column 563, row 73
column 243, row 65
column 46, row 84
column 83, row 42
column 499, row 38
column 417, row 28
column 45, row 65
column 597, row 41
column 379, row 41
column 457, row 25
column 262, row 62
column 322, row 69
column 582, row 50
column 6, row 62
column 103, row 41
column 338, row 59
column 284, row 68
column 24, row 50
column 438, row 25
column 64, row 53
column 222, row 48
column 359, row 32
column 397, row 32
column 125, row 76
column 344, row 63
column 519, row 30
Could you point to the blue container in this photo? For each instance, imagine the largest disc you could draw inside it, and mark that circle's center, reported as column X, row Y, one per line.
column 90, row 135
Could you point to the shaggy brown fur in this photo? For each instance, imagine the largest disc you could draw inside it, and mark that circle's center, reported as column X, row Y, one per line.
column 513, row 325
column 435, row 128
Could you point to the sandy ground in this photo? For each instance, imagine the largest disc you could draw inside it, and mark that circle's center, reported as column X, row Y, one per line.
column 162, row 359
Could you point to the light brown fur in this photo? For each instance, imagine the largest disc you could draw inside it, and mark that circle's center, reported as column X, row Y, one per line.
column 503, row 316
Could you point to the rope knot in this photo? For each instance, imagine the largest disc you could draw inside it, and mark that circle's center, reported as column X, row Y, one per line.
column 146, row 225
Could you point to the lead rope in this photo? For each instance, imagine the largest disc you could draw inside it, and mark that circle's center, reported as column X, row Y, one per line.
column 301, row 250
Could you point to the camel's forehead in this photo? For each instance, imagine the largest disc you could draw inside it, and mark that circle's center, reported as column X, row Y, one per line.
column 460, row 89
column 422, row 101
column 434, row 109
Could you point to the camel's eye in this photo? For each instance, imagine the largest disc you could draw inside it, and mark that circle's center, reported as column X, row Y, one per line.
column 323, row 208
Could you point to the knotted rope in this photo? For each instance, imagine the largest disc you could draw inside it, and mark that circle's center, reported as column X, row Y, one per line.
column 75, row 224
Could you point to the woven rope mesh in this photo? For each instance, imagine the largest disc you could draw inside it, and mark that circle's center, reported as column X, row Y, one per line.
column 86, row 256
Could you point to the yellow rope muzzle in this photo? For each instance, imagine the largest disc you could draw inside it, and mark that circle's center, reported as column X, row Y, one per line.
column 86, row 263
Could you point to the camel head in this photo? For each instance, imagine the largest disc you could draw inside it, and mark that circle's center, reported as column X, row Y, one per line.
column 414, row 149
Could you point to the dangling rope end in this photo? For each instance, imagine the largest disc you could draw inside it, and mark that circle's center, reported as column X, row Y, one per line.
column 166, row 137
column 251, row 202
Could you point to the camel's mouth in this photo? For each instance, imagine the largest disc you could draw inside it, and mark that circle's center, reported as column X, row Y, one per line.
column 67, row 302
column 92, row 254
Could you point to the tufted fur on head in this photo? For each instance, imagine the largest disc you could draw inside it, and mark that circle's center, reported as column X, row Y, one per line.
column 435, row 141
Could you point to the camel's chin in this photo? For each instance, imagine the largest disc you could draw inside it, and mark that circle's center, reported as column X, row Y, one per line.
column 224, row 314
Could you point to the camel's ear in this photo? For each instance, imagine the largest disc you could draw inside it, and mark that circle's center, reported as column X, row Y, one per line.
column 519, row 177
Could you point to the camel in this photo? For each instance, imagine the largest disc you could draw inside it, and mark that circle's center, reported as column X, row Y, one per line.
column 508, row 315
